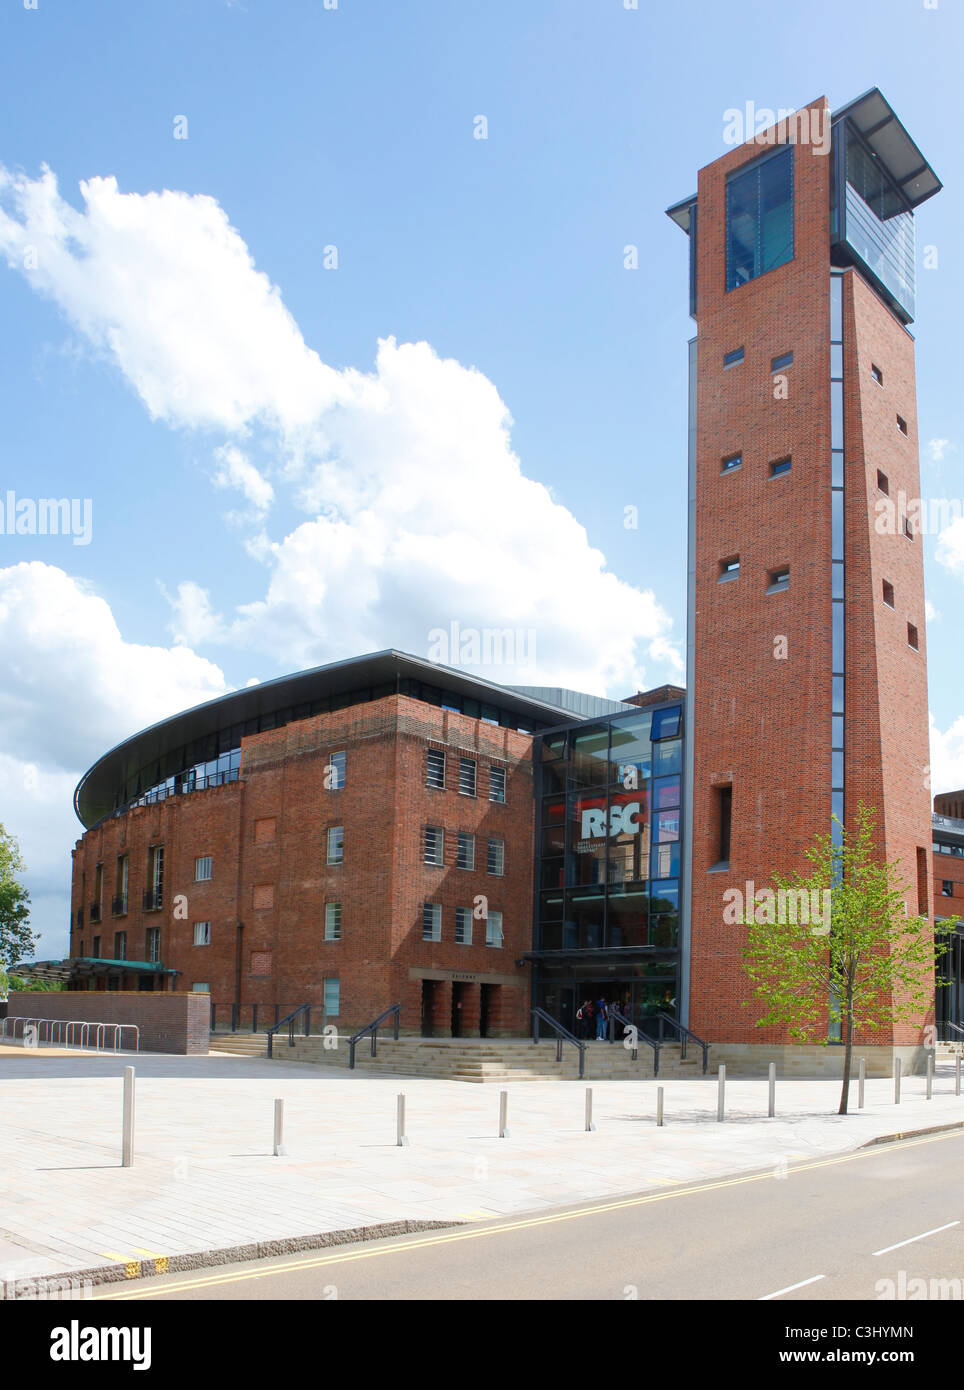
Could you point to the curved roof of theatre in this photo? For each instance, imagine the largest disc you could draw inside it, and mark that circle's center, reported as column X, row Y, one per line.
column 151, row 756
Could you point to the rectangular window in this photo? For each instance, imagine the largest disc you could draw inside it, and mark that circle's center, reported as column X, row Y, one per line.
column 493, row 928
column 332, row 921
column 120, row 945
column 154, row 895
column 202, row 869
column 888, row 594
column 336, row 771
column 729, row 569
column 153, row 945
column 432, row 922
column 947, row 888
column 724, row 816
column 901, row 424
column 434, row 845
column 759, row 217
column 780, row 466
column 731, row 463
column 497, row 784
column 435, row 776
column 777, row 364
column 882, row 483
column 923, row 903
column 465, row 858
column 730, row 359
column 200, row 989
column 332, row 1003
column 202, row 933
column 336, row 844
column 463, row 926
column 495, row 862
column 778, row 580
column 908, row 528
column 466, row 777
column 912, row 640
column 877, row 374
column 120, row 884
column 95, row 948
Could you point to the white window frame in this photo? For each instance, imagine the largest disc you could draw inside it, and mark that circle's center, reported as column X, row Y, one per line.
column 331, row 981
column 341, row 770
column 493, row 929
column 202, row 933
column 434, row 753
column 202, row 859
column 438, row 846
column 467, row 840
column 463, row 926
column 500, row 846
column 464, row 765
column 332, row 830
column 333, row 921
column 497, row 782
column 435, row 930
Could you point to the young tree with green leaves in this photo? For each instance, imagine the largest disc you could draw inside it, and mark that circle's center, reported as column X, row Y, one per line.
column 867, row 963
column 17, row 941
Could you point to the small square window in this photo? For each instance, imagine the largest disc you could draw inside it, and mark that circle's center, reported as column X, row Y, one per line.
column 434, row 845
column 202, row 933
column 465, row 858
column 877, row 374
column 888, row 593
column 730, row 359
column 729, row 569
column 901, row 424
column 435, row 776
column 778, row 363
column 731, row 463
column 883, row 484
column 780, row 466
column 912, row 640
column 779, row 579
column 497, row 784
column 332, row 921
column 947, row 888
column 202, row 869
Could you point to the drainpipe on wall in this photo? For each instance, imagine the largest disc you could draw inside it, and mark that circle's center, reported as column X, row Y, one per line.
column 237, row 969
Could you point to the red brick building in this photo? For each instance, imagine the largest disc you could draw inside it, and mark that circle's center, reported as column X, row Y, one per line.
column 352, row 838
column 807, row 679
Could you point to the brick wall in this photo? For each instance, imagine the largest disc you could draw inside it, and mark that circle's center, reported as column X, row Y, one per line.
column 167, row 1022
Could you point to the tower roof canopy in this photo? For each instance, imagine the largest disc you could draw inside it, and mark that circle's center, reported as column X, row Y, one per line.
column 889, row 142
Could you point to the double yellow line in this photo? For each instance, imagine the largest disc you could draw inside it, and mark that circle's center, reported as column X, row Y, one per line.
column 529, row 1223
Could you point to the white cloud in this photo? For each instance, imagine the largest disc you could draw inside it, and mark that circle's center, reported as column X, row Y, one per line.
column 938, row 448
column 950, row 547
column 930, row 612
column 947, row 756
column 419, row 512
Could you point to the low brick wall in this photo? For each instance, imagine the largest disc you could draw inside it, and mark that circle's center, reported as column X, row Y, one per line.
column 168, row 1022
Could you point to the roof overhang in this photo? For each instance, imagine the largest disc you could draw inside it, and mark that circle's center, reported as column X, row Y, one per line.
column 875, row 119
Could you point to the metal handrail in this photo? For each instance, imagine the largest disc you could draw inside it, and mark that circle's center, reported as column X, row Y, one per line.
column 636, row 1033
column 289, row 1022
column 372, row 1028
column 948, row 1024
column 562, row 1035
column 684, row 1033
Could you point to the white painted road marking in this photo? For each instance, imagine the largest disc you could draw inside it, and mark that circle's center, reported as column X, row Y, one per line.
column 922, row 1236
column 790, row 1288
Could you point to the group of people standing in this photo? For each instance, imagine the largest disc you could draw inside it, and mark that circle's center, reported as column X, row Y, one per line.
column 596, row 1011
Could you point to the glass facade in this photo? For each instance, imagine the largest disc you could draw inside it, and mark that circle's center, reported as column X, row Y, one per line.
column 608, row 851
column 759, row 217
column 873, row 220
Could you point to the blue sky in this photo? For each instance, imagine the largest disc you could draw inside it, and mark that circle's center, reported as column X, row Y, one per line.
column 268, row 491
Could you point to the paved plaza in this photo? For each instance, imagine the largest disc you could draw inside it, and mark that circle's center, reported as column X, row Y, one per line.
column 205, row 1186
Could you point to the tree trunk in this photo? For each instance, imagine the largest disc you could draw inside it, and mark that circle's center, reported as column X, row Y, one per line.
column 847, row 1057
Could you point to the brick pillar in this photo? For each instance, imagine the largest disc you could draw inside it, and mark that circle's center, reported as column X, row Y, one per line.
column 471, row 1010
column 442, row 1009
column 508, row 1016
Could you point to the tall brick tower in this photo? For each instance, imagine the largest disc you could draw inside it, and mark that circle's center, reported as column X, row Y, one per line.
column 807, row 680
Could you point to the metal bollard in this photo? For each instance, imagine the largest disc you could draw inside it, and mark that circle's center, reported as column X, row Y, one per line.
column 897, row 1081
column 957, row 1077
column 401, row 1138
column 721, row 1092
column 127, row 1157
column 861, row 1081
column 659, row 1106
column 589, row 1124
column 930, row 1076
column 772, row 1107
column 504, row 1115
column 279, row 1129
